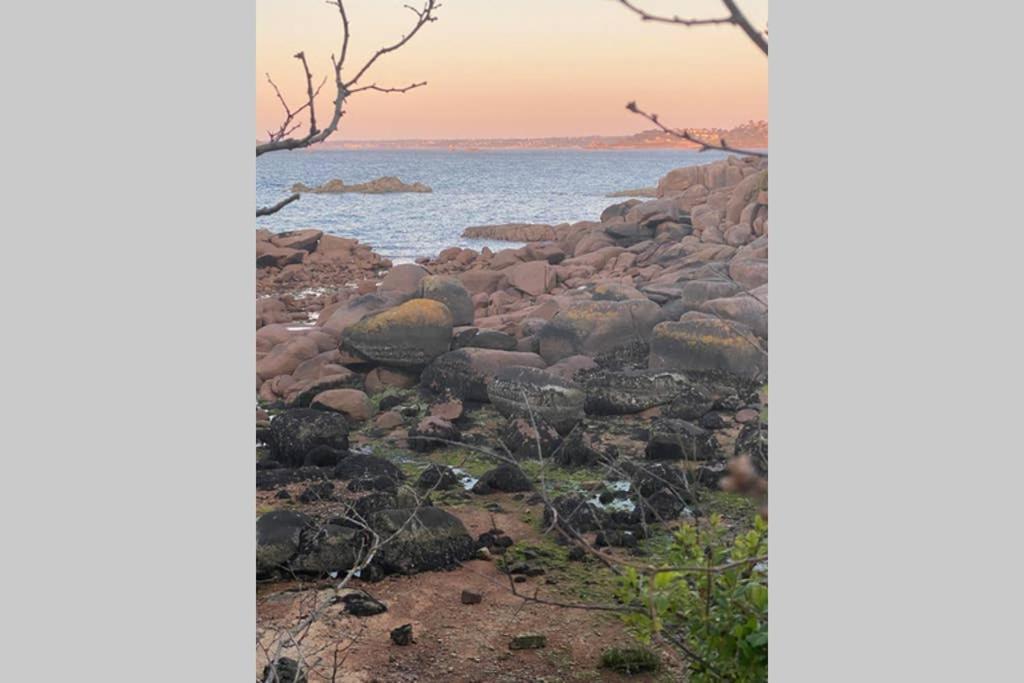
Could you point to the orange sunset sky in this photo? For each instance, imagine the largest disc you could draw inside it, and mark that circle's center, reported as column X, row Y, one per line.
column 517, row 68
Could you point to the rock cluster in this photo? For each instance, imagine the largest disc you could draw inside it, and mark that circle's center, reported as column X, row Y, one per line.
column 384, row 185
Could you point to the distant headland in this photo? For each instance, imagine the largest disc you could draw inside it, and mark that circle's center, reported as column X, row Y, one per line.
column 753, row 135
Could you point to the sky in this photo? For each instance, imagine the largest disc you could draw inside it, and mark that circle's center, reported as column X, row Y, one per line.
column 516, row 68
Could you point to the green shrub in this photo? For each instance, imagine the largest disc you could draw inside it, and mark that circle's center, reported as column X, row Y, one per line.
column 719, row 615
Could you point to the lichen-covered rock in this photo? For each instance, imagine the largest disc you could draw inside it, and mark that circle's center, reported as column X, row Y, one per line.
column 295, row 432
column 449, row 291
column 466, row 373
column 672, row 439
column 359, row 466
column 520, row 391
column 409, row 335
column 328, row 548
column 594, row 328
column 630, row 391
column 690, row 403
column 703, row 342
column 523, row 440
column 278, row 537
column 425, row 538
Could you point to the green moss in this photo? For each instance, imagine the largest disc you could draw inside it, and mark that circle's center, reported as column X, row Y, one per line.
column 630, row 660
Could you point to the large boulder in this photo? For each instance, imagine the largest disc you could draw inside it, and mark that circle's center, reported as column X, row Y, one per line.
column 404, row 280
column 598, row 328
column 295, row 432
column 278, row 537
column 421, row 539
column 409, row 335
column 520, row 391
column 630, row 391
column 672, row 439
column 533, row 278
column 286, row 357
column 466, row 373
column 483, row 281
column 749, row 308
column 449, row 291
column 704, row 342
column 329, row 548
column 297, row 239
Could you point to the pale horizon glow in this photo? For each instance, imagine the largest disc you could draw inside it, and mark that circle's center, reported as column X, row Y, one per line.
column 530, row 68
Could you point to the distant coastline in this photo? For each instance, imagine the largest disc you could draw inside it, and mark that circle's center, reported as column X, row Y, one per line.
column 751, row 135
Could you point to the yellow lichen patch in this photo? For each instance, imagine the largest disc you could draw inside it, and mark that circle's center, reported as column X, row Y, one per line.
column 412, row 313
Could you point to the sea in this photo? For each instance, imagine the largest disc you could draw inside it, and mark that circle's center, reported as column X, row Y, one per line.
column 469, row 188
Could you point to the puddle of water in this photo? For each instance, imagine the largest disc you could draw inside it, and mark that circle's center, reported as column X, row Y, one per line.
column 468, row 480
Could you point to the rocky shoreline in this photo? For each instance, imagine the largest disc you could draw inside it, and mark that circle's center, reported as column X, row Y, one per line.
column 621, row 360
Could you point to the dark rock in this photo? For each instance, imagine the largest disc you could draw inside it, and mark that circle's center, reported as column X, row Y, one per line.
column 471, row 598
column 275, row 478
column 268, row 464
column 753, row 441
column 521, row 439
column 578, row 512
column 492, row 339
column 317, row 492
column 520, row 392
column 631, row 391
column 439, row 477
column 278, row 537
column 361, row 466
column 712, row 421
column 424, row 436
column 360, row 604
column 284, row 670
column 425, row 539
column 323, row 456
column 691, row 403
column 672, row 439
column 585, row 446
column 390, row 401
column 466, row 373
column 505, row 477
column 296, row 432
column 380, row 482
column 328, row 548
column 616, row 538
column 402, row 635
column 283, row 495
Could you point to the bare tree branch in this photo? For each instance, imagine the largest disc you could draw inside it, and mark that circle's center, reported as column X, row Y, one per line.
column 374, row 86
column 736, row 17
column 684, row 134
column 279, row 141
column 267, row 210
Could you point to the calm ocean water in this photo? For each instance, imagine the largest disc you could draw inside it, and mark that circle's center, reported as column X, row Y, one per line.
column 470, row 188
